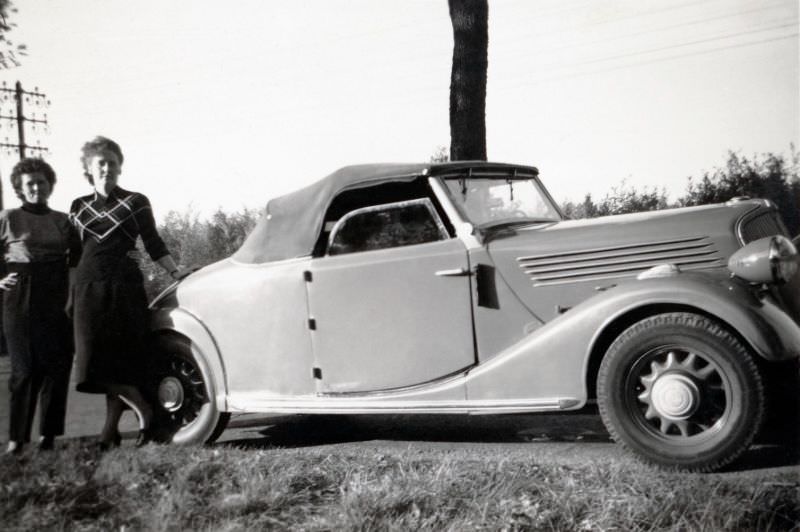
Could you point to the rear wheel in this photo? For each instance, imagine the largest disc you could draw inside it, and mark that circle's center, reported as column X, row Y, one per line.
column 184, row 412
column 681, row 391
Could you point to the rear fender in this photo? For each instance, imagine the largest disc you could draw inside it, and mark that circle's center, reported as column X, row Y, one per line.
column 181, row 322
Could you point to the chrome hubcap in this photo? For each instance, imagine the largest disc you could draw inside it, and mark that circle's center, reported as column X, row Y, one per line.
column 675, row 396
column 170, row 394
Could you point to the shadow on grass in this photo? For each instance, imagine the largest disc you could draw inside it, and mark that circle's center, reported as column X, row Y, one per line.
column 766, row 456
column 305, row 431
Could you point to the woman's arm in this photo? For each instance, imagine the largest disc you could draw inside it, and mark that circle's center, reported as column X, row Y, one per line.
column 168, row 263
column 154, row 244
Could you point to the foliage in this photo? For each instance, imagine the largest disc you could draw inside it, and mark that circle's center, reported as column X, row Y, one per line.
column 195, row 243
column 9, row 52
column 620, row 200
column 768, row 176
column 375, row 488
column 441, row 155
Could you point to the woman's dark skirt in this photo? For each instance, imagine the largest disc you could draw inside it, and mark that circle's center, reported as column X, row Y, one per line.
column 111, row 327
column 39, row 339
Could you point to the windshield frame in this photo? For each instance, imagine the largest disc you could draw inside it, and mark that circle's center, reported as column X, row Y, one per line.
column 459, row 206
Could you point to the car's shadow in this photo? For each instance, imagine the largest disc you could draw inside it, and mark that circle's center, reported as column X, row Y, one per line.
column 582, row 427
column 763, row 456
column 303, row 431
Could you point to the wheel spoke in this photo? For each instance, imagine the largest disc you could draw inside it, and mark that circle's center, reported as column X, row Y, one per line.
column 683, row 426
column 690, row 361
column 706, row 372
column 671, row 360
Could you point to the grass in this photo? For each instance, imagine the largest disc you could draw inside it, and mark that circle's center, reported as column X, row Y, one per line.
column 344, row 488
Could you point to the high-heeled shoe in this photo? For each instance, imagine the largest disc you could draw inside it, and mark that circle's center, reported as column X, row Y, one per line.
column 14, row 447
column 46, row 443
column 145, row 437
column 105, row 445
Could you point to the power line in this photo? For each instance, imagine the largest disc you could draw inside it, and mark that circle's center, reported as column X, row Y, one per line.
column 641, row 63
column 648, row 32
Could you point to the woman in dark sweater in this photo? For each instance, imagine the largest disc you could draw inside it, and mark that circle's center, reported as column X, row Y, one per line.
column 110, row 306
column 38, row 243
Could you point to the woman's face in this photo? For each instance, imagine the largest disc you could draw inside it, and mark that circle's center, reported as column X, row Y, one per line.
column 104, row 167
column 35, row 188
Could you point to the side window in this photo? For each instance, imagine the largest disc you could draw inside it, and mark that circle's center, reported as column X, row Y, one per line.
column 386, row 226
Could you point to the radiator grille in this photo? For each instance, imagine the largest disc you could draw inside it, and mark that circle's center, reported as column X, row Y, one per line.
column 619, row 261
column 760, row 226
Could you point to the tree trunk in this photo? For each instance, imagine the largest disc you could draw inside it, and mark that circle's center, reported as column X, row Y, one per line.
column 470, row 19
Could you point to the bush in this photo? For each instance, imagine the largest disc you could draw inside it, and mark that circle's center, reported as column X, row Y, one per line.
column 620, row 200
column 195, row 243
column 769, row 176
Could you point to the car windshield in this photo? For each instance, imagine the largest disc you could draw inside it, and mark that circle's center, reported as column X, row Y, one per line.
column 496, row 202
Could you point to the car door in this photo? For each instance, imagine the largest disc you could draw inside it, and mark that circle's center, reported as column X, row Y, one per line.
column 390, row 302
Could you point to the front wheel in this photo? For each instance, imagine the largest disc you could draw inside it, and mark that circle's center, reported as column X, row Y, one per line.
column 681, row 392
column 185, row 412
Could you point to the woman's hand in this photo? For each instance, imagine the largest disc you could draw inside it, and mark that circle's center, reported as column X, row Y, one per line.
column 8, row 282
column 179, row 273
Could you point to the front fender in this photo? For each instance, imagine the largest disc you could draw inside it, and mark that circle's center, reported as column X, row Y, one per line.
column 204, row 349
column 554, row 360
column 760, row 321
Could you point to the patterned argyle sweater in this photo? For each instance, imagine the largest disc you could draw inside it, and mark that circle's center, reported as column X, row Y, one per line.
column 108, row 230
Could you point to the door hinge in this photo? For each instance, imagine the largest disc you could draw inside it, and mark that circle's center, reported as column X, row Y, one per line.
column 317, row 373
column 307, row 276
column 312, row 324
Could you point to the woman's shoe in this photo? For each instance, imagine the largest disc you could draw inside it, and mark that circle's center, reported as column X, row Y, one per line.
column 46, row 443
column 145, row 437
column 14, row 447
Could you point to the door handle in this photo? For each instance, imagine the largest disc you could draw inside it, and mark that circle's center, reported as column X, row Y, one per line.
column 456, row 272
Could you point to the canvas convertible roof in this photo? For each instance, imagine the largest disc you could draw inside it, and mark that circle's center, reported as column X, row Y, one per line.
column 291, row 223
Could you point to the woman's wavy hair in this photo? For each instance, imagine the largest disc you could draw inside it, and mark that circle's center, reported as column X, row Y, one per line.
column 31, row 165
column 97, row 146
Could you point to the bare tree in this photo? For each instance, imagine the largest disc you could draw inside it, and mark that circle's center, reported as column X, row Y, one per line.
column 9, row 52
column 470, row 20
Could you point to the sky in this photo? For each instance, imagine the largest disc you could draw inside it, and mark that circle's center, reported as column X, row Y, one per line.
column 227, row 104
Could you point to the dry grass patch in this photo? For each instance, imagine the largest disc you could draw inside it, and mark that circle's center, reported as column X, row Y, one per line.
column 342, row 488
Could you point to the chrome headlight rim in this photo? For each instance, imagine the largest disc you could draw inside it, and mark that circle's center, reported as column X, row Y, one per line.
column 782, row 259
column 772, row 260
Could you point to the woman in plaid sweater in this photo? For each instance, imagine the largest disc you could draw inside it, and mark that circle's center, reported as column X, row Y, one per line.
column 110, row 305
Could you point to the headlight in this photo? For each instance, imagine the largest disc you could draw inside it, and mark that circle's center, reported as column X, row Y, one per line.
column 766, row 260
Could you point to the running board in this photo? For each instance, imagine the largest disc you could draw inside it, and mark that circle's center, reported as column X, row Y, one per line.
column 244, row 403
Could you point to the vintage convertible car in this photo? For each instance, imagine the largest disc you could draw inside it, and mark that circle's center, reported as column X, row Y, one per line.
column 460, row 288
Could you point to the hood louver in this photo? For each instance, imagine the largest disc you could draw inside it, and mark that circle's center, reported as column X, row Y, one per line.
column 619, row 261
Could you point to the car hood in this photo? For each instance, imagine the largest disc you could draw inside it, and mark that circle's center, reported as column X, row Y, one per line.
column 554, row 266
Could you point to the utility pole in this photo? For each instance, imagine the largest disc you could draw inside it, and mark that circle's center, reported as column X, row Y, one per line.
column 13, row 106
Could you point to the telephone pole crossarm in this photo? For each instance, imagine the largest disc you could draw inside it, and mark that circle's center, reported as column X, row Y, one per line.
column 14, row 103
column 20, row 97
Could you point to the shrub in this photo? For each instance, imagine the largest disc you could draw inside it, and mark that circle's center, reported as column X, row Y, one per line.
column 768, row 176
column 195, row 243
